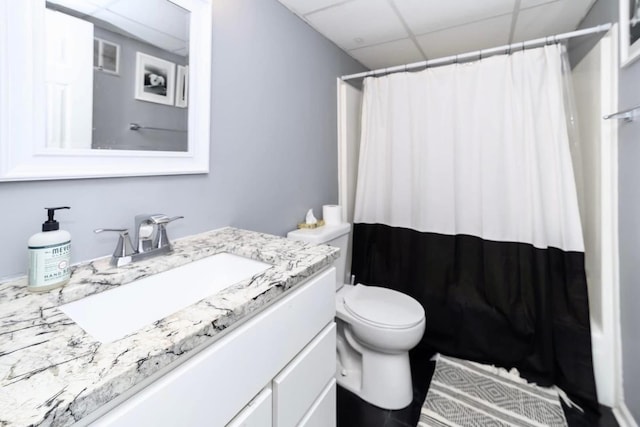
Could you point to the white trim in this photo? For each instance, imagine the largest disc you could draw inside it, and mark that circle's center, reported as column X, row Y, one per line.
column 342, row 148
column 597, row 157
column 628, row 52
column 623, row 416
column 349, row 100
column 620, row 410
column 182, row 81
column 609, row 260
column 610, row 237
column 22, row 154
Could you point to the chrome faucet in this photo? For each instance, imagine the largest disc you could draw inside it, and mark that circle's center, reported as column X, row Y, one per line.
column 151, row 239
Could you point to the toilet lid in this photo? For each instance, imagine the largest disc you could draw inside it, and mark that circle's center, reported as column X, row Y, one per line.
column 383, row 307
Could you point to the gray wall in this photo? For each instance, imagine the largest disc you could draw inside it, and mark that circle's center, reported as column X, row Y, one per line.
column 629, row 217
column 273, row 145
column 114, row 104
column 602, row 12
column 629, row 207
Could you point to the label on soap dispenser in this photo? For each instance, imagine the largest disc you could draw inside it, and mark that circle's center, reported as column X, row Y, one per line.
column 49, row 265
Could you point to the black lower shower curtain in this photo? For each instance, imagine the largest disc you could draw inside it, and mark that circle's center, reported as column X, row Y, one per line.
column 466, row 201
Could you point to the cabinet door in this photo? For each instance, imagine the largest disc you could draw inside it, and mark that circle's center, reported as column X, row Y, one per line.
column 257, row 413
column 323, row 410
column 303, row 380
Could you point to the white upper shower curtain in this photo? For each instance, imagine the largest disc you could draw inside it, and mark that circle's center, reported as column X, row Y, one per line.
column 466, row 200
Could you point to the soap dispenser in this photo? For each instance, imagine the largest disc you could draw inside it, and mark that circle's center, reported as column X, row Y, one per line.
column 49, row 255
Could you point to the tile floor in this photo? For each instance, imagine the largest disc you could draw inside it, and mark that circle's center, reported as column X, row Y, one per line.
column 354, row 412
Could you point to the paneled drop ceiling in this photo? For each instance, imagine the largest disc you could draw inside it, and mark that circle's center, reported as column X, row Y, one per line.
column 383, row 33
column 157, row 22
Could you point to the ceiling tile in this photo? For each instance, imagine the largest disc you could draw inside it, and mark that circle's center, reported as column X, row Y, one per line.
column 359, row 23
column 373, row 33
column 423, row 16
column 302, row 7
column 166, row 17
column 83, row 6
column 141, row 31
column 385, row 55
column 525, row 4
column 79, row 5
column 167, row 27
column 183, row 51
column 101, row 3
column 466, row 38
column 549, row 19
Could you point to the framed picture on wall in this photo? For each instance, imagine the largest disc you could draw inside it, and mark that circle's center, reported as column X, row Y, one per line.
column 629, row 31
column 182, row 86
column 155, row 79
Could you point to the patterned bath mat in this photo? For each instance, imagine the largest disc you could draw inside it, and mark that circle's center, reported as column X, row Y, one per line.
column 469, row 394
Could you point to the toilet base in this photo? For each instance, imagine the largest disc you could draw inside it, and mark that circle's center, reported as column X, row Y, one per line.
column 384, row 380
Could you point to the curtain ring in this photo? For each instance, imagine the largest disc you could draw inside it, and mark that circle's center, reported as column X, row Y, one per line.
column 480, row 55
column 455, row 60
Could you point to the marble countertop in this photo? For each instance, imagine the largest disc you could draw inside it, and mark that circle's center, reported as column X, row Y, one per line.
column 54, row 373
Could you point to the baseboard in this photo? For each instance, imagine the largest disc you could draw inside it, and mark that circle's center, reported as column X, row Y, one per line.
column 623, row 416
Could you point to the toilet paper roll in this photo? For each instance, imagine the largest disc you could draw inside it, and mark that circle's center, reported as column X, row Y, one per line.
column 332, row 214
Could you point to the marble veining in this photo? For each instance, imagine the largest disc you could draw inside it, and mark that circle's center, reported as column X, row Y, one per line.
column 52, row 373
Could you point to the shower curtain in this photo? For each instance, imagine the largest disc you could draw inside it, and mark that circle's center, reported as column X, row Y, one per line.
column 466, row 201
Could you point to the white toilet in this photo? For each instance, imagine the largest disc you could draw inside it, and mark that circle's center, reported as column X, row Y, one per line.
column 376, row 329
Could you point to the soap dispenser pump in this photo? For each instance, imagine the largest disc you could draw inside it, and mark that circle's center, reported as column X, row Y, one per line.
column 49, row 255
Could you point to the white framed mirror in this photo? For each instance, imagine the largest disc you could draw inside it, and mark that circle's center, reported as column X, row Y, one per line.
column 98, row 127
column 629, row 31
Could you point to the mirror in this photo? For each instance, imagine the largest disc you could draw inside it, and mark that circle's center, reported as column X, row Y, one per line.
column 105, row 88
column 629, row 31
column 111, row 75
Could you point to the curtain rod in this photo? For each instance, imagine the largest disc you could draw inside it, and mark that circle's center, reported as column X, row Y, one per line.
column 483, row 52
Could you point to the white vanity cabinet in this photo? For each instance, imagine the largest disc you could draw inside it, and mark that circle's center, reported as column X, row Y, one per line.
column 276, row 369
column 258, row 413
column 301, row 382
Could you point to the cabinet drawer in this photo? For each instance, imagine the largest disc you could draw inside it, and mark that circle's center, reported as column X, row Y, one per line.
column 257, row 413
column 302, row 381
column 323, row 411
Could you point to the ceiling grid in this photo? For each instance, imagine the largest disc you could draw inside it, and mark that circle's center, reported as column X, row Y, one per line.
column 384, row 33
column 514, row 20
column 406, row 26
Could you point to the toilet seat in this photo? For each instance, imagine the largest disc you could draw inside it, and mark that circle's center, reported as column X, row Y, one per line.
column 383, row 308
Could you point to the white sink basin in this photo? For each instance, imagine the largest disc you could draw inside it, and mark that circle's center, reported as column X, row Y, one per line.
column 113, row 314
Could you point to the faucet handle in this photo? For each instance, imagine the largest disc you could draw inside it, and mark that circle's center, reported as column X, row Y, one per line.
column 163, row 219
column 124, row 249
column 162, row 240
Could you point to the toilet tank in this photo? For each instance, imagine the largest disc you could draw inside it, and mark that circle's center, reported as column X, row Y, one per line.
column 332, row 235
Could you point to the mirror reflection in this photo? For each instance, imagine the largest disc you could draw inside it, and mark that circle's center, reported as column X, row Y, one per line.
column 634, row 19
column 117, row 75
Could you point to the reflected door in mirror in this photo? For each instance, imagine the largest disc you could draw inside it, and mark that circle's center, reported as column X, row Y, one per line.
column 69, row 81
